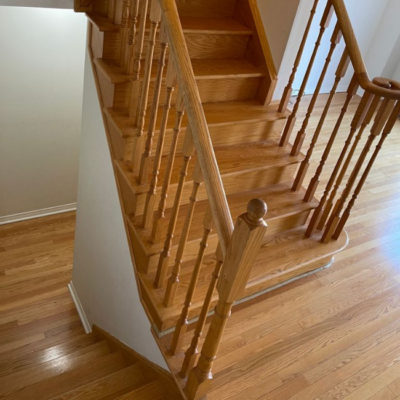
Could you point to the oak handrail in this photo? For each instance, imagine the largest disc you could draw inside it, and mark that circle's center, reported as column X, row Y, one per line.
column 198, row 123
column 355, row 54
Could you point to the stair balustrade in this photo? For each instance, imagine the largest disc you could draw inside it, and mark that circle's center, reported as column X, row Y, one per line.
column 379, row 106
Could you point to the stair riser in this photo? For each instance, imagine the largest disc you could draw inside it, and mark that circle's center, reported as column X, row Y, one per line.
column 105, row 44
column 245, row 180
column 149, row 260
column 206, row 8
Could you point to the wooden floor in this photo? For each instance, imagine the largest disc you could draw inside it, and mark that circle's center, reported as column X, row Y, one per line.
column 333, row 335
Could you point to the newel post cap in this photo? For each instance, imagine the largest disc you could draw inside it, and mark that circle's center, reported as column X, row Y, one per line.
column 256, row 211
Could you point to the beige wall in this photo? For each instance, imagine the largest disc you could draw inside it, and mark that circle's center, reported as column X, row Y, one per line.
column 41, row 83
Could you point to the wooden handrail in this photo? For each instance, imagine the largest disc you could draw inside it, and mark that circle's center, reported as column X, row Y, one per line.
column 355, row 55
column 198, row 123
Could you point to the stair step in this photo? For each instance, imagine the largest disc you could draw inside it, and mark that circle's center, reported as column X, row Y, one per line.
column 290, row 254
column 229, row 123
column 72, row 378
column 218, row 80
column 109, row 386
column 151, row 391
column 32, row 374
column 283, row 257
column 203, row 69
column 206, row 8
column 251, row 166
column 286, row 210
column 102, row 23
column 219, row 25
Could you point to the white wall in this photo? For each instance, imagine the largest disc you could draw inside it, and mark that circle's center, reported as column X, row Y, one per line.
column 41, row 83
column 103, row 274
column 39, row 3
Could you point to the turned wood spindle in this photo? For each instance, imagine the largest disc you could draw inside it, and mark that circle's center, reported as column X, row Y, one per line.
column 160, row 214
column 242, row 250
column 162, row 268
column 365, row 113
column 173, row 280
column 192, row 352
column 182, row 323
column 132, row 32
column 326, row 18
column 126, row 9
column 380, row 120
column 144, row 165
column 386, row 132
column 151, row 195
column 136, row 59
column 360, row 120
column 155, row 17
column 298, row 143
column 340, row 73
column 287, row 93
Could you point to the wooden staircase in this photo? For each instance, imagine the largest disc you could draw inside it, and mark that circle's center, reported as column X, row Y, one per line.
column 95, row 366
column 185, row 88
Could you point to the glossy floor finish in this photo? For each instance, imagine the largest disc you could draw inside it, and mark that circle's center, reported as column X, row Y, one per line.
column 333, row 335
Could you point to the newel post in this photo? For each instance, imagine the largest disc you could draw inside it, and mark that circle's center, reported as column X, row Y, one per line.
column 244, row 246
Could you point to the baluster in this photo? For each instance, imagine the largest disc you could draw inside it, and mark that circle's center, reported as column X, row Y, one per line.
column 173, row 281
column 144, row 166
column 126, row 6
column 111, row 10
column 162, row 268
column 192, row 352
column 326, row 18
column 135, row 61
column 380, row 120
column 298, row 143
column 387, row 130
column 362, row 118
column 243, row 248
column 160, row 215
column 340, row 73
column 132, row 31
column 155, row 17
column 287, row 93
column 151, row 195
column 182, row 323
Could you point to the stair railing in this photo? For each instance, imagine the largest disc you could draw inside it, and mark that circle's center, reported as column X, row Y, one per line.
column 378, row 110
column 171, row 132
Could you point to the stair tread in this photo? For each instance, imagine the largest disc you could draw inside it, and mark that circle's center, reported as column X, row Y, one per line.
column 72, row 378
column 102, row 22
column 151, row 391
column 232, row 160
column 274, row 265
column 223, row 113
column 114, row 384
column 203, row 69
column 32, row 374
column 280, row 199
column 214, row 25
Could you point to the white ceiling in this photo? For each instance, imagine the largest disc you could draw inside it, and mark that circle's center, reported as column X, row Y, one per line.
column 39, row 3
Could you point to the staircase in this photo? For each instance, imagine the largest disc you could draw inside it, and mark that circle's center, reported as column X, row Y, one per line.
column 95, row 366
column 185, row 87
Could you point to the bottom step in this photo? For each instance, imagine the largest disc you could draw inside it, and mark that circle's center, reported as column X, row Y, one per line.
column 282, row 258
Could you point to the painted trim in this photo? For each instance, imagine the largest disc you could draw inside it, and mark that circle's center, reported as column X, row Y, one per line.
column 8, row 219
column 78, row 305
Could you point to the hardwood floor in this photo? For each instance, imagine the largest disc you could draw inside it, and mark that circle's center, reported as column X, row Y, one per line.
column 333, row 335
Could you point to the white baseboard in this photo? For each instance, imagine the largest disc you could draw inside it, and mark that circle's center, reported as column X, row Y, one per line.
column 82, row 315
column 8, row 219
